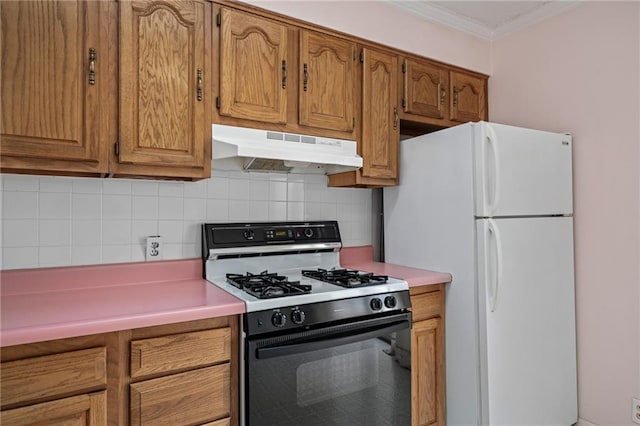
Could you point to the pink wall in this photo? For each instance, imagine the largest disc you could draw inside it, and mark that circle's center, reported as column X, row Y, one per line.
column 580, row 72
column 387, row 24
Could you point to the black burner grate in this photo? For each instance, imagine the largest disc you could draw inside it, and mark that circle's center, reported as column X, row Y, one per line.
column 267, row 285
column 346, row 277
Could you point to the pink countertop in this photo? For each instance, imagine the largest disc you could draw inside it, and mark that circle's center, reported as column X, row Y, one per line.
column 361, row 258
column 54, row 303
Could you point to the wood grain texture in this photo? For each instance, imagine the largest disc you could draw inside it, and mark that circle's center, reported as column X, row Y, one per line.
column 162, row 46
column 427, row 379
column 425, row 84
column 380, row 122
column 48, row 108
column 252, row 51
column 81, row 410
column 328, row 101
column 468, row 97
column 179, row 351
column 426, row 305
column 193, row 397
column 51, row 375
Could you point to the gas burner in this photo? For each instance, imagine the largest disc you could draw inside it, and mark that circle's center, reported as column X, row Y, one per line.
column 346, row 277
column 267, row 285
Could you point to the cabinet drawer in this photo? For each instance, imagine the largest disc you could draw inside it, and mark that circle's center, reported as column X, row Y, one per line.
column 89, row 409
column 180, row 351
column 52, row 375
column 193, row 397
column 426, row 305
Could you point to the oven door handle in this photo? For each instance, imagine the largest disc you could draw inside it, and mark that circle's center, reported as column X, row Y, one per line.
column 324, row 342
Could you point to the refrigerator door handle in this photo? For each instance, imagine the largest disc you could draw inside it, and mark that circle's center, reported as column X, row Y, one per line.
column 493, row 144
column 494, row 278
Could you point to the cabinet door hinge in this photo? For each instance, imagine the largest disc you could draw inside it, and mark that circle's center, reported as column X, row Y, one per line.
column 362, row 56
column 404, row 103
column 404, row 68
column 116, row 148
column 218, row 102
column 219, row 19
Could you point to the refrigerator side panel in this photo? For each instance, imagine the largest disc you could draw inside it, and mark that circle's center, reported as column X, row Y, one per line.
column 429, row 224
column 522, row 172
column 527, row 321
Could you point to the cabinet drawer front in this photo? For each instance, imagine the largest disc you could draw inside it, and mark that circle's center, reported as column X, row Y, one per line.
column 79, row 410
column 179, row 351
column 426, row 305
column 193, row 397
column 51, row 375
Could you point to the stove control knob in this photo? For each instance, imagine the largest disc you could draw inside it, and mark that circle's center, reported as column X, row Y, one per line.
column 376, row 304
column 298, row 316
column 279, row 319
column 248, row 234
column 308, row 232
column 390, row 302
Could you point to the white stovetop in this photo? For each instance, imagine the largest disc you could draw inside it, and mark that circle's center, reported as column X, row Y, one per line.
column 320, row 292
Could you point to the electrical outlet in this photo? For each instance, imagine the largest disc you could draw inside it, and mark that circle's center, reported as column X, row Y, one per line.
column 635, row 410
column 154, row 248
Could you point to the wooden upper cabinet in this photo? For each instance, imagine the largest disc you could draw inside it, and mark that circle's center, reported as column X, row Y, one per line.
column 53, row 74
column 164, row 86
column 425, row 89
column 253, row 67
column 327, row 81
column 380, row 121
column 468, row 97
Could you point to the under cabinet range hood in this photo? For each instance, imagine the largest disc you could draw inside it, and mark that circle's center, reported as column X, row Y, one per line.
column 264, row 150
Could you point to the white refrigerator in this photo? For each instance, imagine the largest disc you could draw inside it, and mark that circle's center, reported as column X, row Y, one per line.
column 492, row 204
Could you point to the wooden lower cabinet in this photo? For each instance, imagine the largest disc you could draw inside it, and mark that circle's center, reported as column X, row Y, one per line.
column 183, row 373
column 427, row 357
column 88, row 410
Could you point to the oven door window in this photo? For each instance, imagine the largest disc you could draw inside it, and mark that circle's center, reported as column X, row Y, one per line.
column 336, row 382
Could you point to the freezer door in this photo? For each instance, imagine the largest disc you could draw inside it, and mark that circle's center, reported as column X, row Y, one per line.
column 527, row 321
column 521, row 172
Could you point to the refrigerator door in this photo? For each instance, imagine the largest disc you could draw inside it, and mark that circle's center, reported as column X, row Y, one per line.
column 521, row 172
column 527, row 321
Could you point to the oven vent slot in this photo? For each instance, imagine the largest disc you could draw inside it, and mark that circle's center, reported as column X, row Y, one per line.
column 279, row 253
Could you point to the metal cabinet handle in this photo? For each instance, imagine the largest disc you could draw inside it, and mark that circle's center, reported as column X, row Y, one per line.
column 305, row 79
column 199, row 84
column 455, row 96
column 92, row 66
column 395, row 117
column 443, row 93
column 284, row 74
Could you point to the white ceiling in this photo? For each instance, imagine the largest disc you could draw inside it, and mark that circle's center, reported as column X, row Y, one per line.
column 489, row 20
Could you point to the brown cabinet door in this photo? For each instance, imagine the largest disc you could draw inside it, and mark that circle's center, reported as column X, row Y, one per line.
column 53, row 71
column 425, row 89
column 193, row 397
column 380, row 122
column 468, row 97
column 81, row 410
column 427, row 378
column 327, row 81
column 253, row 67
column 164, row 83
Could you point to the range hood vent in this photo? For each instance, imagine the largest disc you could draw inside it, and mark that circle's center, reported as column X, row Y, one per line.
column 239, row 148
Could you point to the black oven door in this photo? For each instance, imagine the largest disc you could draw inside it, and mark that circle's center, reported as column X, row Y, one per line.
column 340, row 375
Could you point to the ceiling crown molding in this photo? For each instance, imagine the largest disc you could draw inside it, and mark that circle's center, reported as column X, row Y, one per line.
column 475, row 28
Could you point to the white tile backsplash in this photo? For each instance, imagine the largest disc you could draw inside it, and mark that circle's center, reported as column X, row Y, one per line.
column 57, row 221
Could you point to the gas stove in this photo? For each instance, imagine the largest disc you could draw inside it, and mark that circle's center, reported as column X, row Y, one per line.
column 281, row 264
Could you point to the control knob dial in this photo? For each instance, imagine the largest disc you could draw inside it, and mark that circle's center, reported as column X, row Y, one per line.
column 390, row 302
column 376, row 304
column 298, row 316
column 278, row 319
